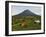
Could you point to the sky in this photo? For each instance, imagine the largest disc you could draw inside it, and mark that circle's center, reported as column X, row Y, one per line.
column 15, row 10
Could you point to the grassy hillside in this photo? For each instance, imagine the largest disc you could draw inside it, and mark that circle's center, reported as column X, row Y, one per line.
column 29, row 22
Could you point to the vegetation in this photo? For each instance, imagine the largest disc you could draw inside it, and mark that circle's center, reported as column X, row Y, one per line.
column 25, row 23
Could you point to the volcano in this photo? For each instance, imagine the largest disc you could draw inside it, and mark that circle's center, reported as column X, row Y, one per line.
column 27, row 13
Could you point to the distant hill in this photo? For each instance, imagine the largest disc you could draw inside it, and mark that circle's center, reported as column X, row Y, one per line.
column 27, row 13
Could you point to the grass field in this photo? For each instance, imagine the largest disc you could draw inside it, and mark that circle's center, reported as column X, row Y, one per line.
column 29, row 21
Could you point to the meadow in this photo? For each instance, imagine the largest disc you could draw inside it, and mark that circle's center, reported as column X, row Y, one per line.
column 29, row 21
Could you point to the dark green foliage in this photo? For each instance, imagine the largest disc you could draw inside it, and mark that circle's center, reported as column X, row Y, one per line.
column 31, row 25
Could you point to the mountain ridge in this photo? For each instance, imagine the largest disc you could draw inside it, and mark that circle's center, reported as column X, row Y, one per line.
column 27, row 13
